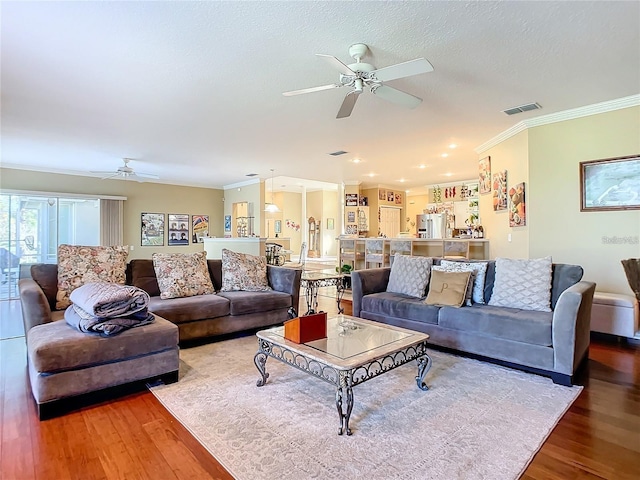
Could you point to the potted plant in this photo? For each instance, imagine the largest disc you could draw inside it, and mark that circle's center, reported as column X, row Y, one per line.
column 346, row 271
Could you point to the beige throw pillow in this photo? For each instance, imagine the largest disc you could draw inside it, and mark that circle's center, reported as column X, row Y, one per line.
column 78, row 264
column 241, row 271
column 182, row 274
column 448, row 288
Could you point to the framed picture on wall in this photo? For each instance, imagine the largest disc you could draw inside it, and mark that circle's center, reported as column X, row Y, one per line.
column 500, row 191
column 517, row 206
column 277, row 226
column 330, row 224
column 199, row 228
column 227, row 223
column 351, row 217
column 152, row 229
column 610, row 184
column 351, row 199
column 178, row 233
column 484, row 175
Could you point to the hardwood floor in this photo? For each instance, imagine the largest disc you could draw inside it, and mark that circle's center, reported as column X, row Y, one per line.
column 135, row 437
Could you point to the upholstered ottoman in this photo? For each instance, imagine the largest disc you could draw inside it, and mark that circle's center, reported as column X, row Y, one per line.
column 615, row 314
column 64, row 362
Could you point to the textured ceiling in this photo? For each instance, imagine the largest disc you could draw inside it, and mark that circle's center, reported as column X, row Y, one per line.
column 193, row 90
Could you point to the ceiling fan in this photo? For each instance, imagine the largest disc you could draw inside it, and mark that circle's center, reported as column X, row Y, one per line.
column 360, row 75
column 128, row 173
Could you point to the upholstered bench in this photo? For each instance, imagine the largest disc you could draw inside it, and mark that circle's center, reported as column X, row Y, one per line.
column 615, row 314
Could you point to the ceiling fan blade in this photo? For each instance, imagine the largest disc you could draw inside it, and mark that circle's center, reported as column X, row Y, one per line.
column 337, row 64
column 112, row 175
column 146, row 175
column 310, row 90
column 401, row 70
column 347, row 104
column 396, row 96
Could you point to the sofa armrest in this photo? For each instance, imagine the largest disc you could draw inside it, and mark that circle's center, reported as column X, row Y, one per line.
column 35, row 305
column 364, row 282
column 286, row 280
column 571, row 326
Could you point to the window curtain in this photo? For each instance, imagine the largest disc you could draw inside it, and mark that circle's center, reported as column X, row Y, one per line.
column 111, row 222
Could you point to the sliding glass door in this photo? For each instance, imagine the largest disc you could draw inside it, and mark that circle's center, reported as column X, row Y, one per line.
column 32, row 227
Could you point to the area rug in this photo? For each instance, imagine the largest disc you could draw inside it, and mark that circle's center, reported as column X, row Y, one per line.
column 476, row 421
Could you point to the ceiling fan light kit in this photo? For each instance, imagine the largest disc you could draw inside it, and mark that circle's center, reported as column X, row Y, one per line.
column 360, row 75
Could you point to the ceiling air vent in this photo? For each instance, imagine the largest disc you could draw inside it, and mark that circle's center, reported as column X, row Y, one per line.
column 251, row 175
column 522, row 108
column 339, row 152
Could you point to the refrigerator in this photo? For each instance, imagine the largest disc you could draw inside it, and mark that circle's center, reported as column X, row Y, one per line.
column 433, row 225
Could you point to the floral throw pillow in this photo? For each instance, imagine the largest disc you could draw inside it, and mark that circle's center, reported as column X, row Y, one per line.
column 241, row 271
column 79, row 264
column 182, row 274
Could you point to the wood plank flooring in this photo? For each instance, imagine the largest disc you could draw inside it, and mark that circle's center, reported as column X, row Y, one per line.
column 136, row 437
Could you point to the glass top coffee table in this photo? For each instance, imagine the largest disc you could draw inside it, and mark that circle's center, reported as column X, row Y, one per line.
column 354, row 351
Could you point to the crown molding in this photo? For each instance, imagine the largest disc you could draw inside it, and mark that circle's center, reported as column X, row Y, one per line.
column 574, row 113
column 245, row 183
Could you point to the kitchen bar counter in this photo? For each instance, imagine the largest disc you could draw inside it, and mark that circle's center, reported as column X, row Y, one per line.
column 376, row 252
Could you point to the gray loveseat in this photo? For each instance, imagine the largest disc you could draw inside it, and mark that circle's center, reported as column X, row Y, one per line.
column 549, row 343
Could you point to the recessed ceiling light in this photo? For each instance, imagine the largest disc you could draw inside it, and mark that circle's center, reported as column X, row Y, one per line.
column 422, row 166
column 444, row 155
column 447, row 174
column 356, row 160
column 402, row 180
column 371, row 174
column 453, row 145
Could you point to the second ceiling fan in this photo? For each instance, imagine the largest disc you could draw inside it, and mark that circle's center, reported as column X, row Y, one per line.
column 360, row 75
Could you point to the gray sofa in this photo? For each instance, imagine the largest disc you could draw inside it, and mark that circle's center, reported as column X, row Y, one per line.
column 65, row 364
column 548, row 343
column 205, row 316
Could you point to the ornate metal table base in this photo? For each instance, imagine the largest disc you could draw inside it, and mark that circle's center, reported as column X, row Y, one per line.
column 343, row 380
column 311, row 286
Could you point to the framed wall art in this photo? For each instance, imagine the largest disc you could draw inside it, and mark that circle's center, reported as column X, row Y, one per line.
column 484, row 175
column 199, row 228
column 330, row 224
column 610, row 184
column 152, row 229
column 351, row 199
column 178, row 233
column 227, row 223
column 517, row 206
column 500, row 191
column 277, row 226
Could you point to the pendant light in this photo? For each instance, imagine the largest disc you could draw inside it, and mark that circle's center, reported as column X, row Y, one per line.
column 271, row 207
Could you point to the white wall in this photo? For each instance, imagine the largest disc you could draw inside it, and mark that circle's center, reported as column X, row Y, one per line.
column 512, row 155
column 558, row 227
